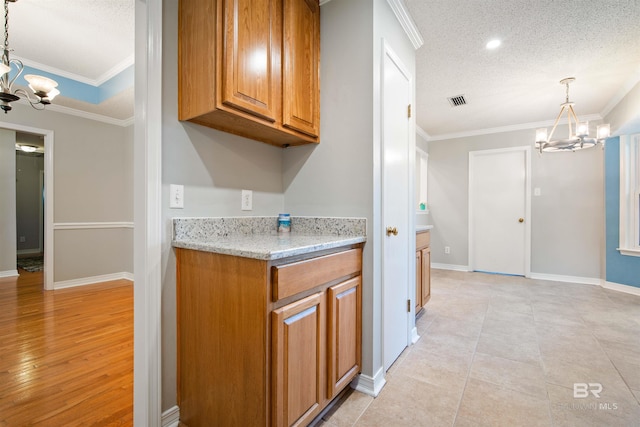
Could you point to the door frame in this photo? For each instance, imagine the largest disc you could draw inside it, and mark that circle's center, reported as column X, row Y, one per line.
column 48, row 198
column 387, row 51
column 527, row 200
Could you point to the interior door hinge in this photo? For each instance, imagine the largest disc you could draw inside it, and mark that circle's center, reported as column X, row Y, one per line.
column 408, row 306
column 409, row 111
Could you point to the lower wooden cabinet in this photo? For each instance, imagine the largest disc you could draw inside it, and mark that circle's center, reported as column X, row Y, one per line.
column 298, row 343
column 423, row 269
column 266, row 343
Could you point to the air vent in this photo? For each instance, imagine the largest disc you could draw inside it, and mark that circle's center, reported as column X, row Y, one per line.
column 457, row 101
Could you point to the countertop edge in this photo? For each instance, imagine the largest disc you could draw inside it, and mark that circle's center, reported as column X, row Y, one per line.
column 268, row 255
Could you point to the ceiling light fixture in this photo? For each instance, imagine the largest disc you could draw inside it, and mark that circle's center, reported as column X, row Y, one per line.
column 44, row 89
column 492, row 44
column 578, row 136
column 26, row 148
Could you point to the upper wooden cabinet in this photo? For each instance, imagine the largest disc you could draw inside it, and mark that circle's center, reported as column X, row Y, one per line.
column 251, row 67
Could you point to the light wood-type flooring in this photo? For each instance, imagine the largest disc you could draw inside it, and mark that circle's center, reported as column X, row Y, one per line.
column 66, row 356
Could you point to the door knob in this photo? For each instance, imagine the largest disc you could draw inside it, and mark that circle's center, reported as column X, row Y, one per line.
column 521, row 220
column 392, row 230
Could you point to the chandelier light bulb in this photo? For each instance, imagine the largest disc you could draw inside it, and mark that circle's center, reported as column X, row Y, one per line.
column 40, row 85
column 582, row 129
column 604, row 130
column 541, row 135
column 4, row 69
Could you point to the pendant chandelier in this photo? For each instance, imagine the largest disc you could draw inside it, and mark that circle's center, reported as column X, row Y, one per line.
column 44, row 89
column 578, row 134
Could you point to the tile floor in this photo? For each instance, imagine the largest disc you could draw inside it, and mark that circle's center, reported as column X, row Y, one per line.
column 507, row 351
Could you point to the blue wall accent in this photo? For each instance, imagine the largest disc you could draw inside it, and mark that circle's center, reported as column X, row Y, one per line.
column 621, row 269
column 82, row 91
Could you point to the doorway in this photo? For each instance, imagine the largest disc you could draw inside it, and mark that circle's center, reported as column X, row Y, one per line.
column 48, row 245
column 396, row 203
column 500, row 211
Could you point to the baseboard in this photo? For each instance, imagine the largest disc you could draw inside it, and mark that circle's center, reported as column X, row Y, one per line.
column 171, row 417
column 9, row 273
column 627, row 289
column 34, row 251
column 453, row 267
column 568, row 279
column 92, row 280
column 414, row 335
column 368, row 385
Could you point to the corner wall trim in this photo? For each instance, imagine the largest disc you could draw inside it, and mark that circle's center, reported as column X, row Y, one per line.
column 368, row 385
column 171, row 417
column 9, row 273
column 90, row 225
column 92, row 280
column 453, row 267
column 568, row 279
column 627, row 289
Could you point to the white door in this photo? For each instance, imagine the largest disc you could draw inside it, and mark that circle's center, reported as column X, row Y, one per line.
column 396, row 97
column 499, row 212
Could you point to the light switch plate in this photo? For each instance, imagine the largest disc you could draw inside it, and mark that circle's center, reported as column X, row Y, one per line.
column 176, row 196
column 537, row 191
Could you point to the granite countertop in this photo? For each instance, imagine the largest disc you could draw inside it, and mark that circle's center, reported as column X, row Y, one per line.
column 422, row 228
column 255, row 237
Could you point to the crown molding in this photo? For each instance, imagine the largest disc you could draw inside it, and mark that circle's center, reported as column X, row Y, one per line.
column 422, row 133
column 117, row 69
column 407, row 22
column 624, row 91
column 91, row 116
column 510, row 128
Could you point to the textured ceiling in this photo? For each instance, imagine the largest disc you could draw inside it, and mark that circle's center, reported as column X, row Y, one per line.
column 543, row 41
column 85, row 40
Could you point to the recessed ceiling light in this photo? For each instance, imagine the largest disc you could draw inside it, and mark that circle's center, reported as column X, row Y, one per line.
column 493, row 44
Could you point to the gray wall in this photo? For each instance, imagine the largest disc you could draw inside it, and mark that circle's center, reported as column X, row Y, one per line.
column 341, row 176
column 7, row 201
column 28, row 200
column 92, row 183
column 214, row 167
column 566, row 219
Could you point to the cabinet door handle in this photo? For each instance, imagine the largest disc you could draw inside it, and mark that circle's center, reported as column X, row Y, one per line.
column 520, row 219
column 392, row 230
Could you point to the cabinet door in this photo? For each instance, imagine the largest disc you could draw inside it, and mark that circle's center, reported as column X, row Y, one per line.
column 301, row 66
column 426, row 275
column 298, row 348
column 345, row 330
column 250, row 62
column 418, row 280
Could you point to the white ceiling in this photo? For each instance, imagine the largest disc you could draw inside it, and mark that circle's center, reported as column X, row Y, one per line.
column 543, row 41
column 85, row 40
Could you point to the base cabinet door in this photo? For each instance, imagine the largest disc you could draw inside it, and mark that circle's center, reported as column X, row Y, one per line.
column 344, row 314
column 425, row 280
column 298, row 347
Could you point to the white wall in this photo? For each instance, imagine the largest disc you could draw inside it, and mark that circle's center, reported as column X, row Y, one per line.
column 214, row 167
column 7, row 202
column 92, row 183
column 567, row 218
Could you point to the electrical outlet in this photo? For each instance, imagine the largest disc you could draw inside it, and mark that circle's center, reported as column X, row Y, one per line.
column 447, row 250
column 247, row 200
column 176, row 196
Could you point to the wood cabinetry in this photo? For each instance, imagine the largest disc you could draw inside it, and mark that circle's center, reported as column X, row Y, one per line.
column 251, row 67
column 423, row 269
column 266, row 343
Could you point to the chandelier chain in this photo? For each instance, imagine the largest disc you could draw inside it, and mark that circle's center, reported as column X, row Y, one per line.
column 6, row 25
